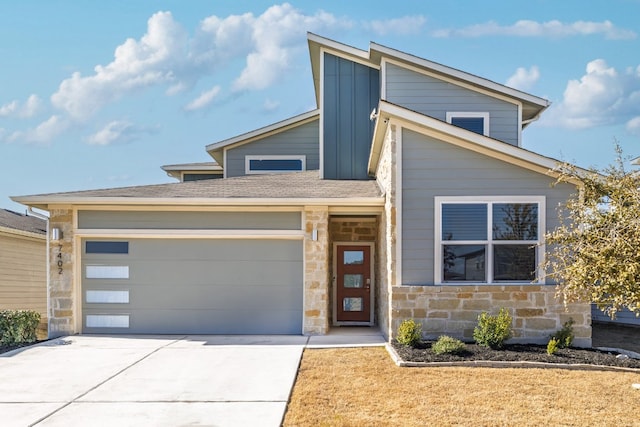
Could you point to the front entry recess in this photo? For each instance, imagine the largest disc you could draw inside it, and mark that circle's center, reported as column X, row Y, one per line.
column 353, row 284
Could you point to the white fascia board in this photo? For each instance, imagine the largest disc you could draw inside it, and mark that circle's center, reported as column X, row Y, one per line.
column 379, row 133
column 338, row 47
column 43, row 202
column 192, row 167
column 465, row 138
column 264, row 131
column 460, row 75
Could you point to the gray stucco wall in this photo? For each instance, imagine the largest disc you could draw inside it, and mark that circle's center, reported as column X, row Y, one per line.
column 431, row 168
column 351, row 91
column 190, row 220
column 301, row 140
column 433, row 97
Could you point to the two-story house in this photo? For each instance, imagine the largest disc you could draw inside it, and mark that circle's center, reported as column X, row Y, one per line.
column 405, row 194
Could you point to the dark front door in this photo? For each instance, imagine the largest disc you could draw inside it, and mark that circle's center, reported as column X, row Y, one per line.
column 353, row 282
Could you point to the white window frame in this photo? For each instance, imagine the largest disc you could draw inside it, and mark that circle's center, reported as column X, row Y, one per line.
column 465, row 114
column 248, row 158
column 489, row 200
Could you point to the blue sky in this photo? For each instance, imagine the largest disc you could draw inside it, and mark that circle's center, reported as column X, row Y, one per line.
column 101, row 94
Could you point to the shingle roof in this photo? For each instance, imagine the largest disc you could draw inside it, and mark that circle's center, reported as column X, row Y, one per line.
column 299, row 185
column 17, row 221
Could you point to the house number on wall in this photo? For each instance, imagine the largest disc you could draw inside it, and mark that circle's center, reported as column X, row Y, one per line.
column 59, row 257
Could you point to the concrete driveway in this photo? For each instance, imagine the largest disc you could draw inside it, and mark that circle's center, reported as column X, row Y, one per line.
column 150, row 381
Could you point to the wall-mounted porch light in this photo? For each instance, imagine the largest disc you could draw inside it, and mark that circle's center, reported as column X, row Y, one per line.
column 56, row 234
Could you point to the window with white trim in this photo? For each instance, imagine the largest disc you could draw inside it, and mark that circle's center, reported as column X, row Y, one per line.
column 274, row 164
column 477, row 122
column 488, row 240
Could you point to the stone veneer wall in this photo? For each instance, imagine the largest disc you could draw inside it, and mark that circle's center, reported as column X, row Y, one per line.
column 61, row 270
column 454, row 310
column 316, row 272
column 387, row 232
column 352, row 229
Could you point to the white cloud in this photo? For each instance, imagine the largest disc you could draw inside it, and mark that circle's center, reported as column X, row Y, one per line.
column 276, row 36
column 9, row 109
column 270, row 105
column 524, row 79
column 117, row 131
column 44, row 133
column 528, row 28
column 633, row 126
column 406, row 25
column 202, row 101
column 137, row 64
column 14, row 109
column 166, row 55
column 602, row 96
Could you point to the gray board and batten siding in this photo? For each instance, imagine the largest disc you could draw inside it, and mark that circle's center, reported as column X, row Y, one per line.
column 351, row 92
column 434, row 97
column 181, row 286
column 433, row 168
column 300, row 140
column 158, row 220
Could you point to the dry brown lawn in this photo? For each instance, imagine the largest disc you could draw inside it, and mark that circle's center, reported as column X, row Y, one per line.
column 363, row 387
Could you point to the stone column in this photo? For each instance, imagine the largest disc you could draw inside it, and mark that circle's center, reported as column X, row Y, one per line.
column 316, row 271
column 61, row 275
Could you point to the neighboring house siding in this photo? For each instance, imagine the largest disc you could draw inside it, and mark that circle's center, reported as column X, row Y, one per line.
column 623, row 317
column 301, row 140
column 434, row 97
column 190, row 220
column 351, row 91
column 431, row 168
column 23, row 283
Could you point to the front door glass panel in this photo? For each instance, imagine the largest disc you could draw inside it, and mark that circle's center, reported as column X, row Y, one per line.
column 352, row 304
column 353, row 280
column 353, row 257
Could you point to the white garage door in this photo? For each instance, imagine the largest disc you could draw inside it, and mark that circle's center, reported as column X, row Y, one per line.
column 180, row 286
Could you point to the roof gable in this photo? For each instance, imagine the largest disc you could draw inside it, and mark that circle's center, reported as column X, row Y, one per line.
column 390, row 113
column 374, row 57
column 216, row 149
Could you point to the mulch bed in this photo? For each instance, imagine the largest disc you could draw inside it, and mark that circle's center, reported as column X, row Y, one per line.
column 516, row 353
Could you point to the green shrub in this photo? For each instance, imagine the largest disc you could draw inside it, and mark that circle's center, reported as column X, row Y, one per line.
column 493, row 331
column 447, row 344
column 18, row 326
column 564, row 336
column 409, row 333
column 552, row 346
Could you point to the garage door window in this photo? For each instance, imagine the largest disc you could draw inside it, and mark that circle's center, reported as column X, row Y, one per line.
column 107, row 272
column 107, row 247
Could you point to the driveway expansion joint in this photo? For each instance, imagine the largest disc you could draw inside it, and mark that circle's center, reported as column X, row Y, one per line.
column 75, row 399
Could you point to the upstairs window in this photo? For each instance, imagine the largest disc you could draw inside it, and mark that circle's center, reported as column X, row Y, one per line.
column 473, row 121
column 488, row 240
column 274, row 164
